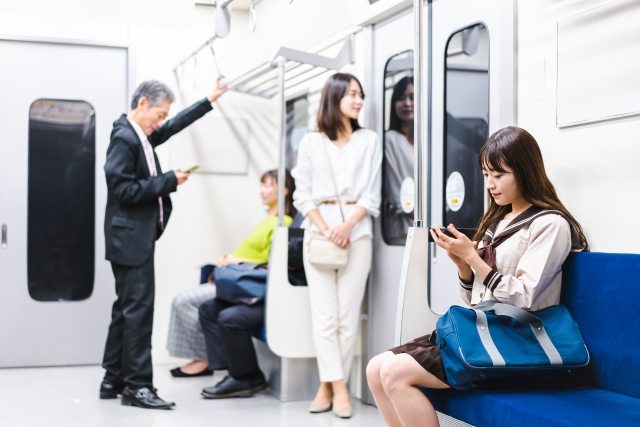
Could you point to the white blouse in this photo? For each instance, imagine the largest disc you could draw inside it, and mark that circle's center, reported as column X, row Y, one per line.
column 356, row 167
column 529, row 266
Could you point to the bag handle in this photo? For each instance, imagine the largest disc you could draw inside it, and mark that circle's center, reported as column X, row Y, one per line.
column 521, row 316
column 333, row 178
column 511, row 311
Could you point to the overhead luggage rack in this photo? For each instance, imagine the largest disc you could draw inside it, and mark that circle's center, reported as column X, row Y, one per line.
column 299, row 67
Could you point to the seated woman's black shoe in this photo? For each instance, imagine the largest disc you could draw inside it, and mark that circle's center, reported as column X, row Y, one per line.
column 177, row 373
column 109, row 390
column 144, row 398
column 231, row 387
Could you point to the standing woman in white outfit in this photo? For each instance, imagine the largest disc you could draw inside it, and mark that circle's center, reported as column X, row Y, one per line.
column 338, row 176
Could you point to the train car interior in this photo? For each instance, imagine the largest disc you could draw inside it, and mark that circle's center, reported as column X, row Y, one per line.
column 106, row 305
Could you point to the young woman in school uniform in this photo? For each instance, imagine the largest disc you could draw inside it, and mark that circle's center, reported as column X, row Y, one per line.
column 515, row 257
column 353, row 156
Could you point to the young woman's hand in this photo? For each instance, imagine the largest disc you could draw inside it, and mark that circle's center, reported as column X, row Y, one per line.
column 222, row 261
column 227, row 259
column 456, row 259
column 460, row 249
column 233, row 260
column 340, row 235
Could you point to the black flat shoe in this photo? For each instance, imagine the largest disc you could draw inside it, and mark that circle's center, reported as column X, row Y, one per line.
column 177, row 373
column 230, row 387
column 109, row 390
column 144, row 398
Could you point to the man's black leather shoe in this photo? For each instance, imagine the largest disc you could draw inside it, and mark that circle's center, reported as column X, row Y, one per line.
column 231, row 387
column 109, row 390
column 144, row 398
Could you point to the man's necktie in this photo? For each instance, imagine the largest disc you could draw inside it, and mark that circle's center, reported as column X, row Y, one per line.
column 152, row 162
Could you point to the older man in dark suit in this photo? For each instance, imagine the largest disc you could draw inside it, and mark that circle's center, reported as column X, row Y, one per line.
column 138, row 210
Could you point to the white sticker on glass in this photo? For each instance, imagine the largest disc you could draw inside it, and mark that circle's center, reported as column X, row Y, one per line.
column 454, row 192
column 406, row 195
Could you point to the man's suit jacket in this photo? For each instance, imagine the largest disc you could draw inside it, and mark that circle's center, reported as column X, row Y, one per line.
column 131, row 219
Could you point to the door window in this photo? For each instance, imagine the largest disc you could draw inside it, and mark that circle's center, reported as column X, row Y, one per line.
column 466, row 126
column 397, row 167
column 297, row 127
column 61, row 200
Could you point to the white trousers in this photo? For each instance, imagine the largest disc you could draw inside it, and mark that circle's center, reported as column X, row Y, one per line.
column 336, row 297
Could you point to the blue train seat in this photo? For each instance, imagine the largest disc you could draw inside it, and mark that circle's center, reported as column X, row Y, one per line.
column 259, row 333
column 602, row 292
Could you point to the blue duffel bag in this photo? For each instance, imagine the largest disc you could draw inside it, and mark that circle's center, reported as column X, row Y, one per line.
column 494, row 341
column 244, row 283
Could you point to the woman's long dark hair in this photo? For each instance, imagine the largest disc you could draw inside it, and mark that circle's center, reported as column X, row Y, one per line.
column 394, row 121
column 516, row 149
column 329, row 114
column 289, row 184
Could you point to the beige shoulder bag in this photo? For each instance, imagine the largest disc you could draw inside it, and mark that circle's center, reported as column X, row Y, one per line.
column 323, row 253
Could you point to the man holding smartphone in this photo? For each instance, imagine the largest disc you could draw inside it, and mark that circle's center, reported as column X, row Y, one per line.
column 138, row 209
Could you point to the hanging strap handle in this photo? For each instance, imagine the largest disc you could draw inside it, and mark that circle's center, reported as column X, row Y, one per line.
column 333, row 178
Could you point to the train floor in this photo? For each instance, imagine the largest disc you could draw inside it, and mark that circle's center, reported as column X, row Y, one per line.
column 68, row 397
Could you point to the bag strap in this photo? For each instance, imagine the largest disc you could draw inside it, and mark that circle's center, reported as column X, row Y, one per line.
column 333, row 178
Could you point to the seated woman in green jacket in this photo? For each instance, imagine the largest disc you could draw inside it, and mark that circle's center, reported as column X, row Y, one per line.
column 186, row 339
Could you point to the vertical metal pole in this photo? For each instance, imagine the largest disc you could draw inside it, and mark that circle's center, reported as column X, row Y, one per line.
column 428, row 136
column 418, row 83
column 282, row 124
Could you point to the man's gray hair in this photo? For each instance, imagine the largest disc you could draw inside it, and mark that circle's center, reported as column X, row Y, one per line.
column 155, row 92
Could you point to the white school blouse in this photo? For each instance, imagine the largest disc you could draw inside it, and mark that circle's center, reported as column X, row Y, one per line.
column 529, row 266
column 357, row 172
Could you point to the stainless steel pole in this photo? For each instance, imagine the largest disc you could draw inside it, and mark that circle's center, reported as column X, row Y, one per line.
column 429, row 135
column 418, row 83
column 280, row 62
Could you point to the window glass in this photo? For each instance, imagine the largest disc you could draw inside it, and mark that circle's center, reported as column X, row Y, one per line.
column 466, row 125
column 61, row 200
column 297, row 127
column 397, row 167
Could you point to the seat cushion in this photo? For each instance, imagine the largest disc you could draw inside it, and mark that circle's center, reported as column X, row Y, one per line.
column 582, row 407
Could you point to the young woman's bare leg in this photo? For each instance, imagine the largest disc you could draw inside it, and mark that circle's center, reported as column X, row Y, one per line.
column 385, row 406
column 341, row 397
column 401, row 375
column 324, row 394
column 195, row 367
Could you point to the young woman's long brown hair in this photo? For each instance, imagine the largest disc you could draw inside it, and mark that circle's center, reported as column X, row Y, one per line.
column 329, row 114
column 289, row 184
column 516, row 149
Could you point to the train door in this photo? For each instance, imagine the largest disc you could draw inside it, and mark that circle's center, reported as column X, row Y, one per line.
column 57, row 104
column 391, row 87
column 473, row 77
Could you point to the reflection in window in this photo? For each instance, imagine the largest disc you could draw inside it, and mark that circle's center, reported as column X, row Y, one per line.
column 397, row 197
column 61, row 212
column 297, row 127
column 466, row 125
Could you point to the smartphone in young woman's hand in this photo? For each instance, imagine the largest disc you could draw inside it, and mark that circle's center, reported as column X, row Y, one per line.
column 469, row 232
column 443, row 231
